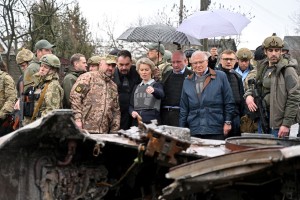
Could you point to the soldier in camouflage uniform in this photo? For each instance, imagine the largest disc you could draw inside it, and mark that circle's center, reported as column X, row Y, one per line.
column 78, row 67
column 277, row 85
column 93, row 63
column 94, row 99
column 42, row 47
column 8, row 94
column 23, row 59
column 48, row 94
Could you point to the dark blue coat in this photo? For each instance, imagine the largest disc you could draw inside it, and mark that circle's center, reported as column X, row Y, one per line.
column 207, row 114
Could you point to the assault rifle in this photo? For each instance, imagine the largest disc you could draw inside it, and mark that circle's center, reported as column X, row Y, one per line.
column 21, row 114
column 262, row 112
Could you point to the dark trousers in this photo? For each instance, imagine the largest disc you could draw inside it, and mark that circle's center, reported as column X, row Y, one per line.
column 235, row 127
column 126, row 120
column 211, row 136
column 170, row 117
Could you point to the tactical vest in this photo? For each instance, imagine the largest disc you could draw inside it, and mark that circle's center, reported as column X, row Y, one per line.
column 145, row 101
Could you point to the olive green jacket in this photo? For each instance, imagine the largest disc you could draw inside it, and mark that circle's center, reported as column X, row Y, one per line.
column 29, row 78
column 284, row 93
column 68, row 82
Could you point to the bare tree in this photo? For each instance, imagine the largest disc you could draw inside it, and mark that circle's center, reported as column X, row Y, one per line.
column 296, row 20
column 11, row 27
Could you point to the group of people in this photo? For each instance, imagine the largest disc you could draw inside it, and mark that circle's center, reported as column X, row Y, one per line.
column 205, row 92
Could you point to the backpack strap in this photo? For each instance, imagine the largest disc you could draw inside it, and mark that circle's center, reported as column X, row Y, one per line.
column 39, row 103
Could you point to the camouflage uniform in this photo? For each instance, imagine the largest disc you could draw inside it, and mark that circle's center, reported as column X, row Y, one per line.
column 53, row 96
column 8, row 94
column 94, row 100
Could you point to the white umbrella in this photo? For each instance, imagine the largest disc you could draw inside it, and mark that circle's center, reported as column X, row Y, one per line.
column 213, row 23
column 158, row 33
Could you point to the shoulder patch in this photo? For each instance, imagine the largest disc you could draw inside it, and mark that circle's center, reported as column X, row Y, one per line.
column 79, row 88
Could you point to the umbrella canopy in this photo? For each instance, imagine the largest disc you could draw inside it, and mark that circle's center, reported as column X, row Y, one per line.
column 213, row 23
column 158, row 33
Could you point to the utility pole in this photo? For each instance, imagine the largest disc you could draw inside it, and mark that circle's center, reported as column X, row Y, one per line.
column 204, row 6
column 180, row 11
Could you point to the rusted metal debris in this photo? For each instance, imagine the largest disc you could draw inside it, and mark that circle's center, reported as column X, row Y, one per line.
column 257, row 141
column 206, row 174
column 165, row 141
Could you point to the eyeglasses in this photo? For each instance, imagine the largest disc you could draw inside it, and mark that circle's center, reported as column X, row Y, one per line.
column 199, row 62
column 228, row 59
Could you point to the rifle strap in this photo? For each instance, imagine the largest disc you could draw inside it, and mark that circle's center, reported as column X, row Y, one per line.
column 39, row 103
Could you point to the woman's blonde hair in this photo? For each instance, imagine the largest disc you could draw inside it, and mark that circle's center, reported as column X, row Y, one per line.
column 145, row 61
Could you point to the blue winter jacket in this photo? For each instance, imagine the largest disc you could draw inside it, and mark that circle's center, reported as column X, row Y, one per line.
column 207, row 114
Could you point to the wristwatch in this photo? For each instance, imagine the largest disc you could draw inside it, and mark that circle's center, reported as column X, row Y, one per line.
column 228, row 122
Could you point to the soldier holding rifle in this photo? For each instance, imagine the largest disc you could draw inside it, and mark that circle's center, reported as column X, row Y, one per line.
column 278, row 90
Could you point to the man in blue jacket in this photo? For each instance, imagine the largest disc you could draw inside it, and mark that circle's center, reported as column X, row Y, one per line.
column 207, row 103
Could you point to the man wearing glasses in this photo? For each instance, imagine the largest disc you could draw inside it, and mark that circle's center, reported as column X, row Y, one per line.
column 207, row 103
column 278, row 88
column 228, row 60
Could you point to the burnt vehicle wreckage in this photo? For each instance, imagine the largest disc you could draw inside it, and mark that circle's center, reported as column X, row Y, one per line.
column 52, row 159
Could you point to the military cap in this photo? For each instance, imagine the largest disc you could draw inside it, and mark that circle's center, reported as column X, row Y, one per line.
column 43, row 44
column 110, row 59
column 273, row 42
column 244, row 54
column 50, row 60
column 24, row 55
column 154, row 46
column 94, row 60
column 167, row 56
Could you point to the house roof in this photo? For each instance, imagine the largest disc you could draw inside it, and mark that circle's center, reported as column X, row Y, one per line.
column 293, row 43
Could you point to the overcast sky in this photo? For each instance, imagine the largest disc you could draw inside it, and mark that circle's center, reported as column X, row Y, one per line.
column 270, row 15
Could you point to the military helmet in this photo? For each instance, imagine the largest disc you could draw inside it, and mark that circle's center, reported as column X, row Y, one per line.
column 50, row 60
column 273, row 42
column 244, row 54
column 94, row 60
column 285, row 47
column 24, row 55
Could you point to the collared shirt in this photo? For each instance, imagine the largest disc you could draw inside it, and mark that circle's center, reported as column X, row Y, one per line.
column 147, row 83
column 181, row 72
column 242, row 73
